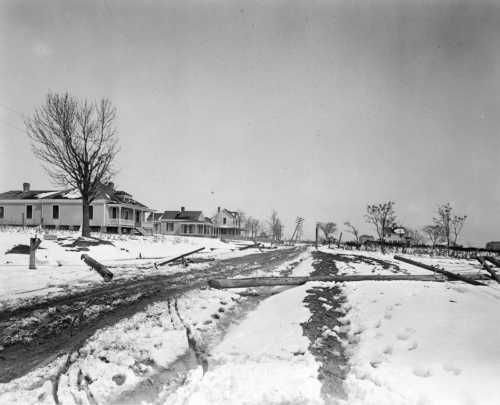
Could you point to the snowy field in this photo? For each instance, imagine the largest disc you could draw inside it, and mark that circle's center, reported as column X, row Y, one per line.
column 405, row 342
column 60, row 269
column 421, row 342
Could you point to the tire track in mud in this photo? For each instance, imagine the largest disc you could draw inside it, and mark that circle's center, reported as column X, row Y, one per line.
column 33, row 336
column 326, row 331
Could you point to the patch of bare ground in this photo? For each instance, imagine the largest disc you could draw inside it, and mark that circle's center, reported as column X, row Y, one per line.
column 325, row 303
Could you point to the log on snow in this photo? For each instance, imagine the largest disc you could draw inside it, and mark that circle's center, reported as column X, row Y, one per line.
column 493, row 260
column 276, row 281
column 449, row 274
column 487, row 267
column 255, row 245
column 178, row 257
column 100, row 268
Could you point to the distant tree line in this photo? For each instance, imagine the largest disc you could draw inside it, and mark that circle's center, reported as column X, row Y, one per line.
column 445, row 228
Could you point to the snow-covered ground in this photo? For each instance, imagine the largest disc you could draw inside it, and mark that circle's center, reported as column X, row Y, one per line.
column 262, row 360
column 421, row 342
column 60, row 269
column 121, row 357
column 406, row 342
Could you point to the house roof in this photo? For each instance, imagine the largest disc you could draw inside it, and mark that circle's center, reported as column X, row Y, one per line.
column 192, row 216
column 105, row 192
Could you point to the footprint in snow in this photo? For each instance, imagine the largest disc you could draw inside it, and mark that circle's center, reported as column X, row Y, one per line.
column 405, row 334
column 388, row 350
column 452, row 369
column 422, row 372
column 387, row 316
column 378, row 324
column 413, row 346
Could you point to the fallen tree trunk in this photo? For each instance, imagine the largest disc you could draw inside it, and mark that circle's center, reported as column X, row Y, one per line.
column 178, row 257
column 449, row 274
column 493, row 260
column 255, row 245
column 275, row 281
column 487, row 267
column 100, row 268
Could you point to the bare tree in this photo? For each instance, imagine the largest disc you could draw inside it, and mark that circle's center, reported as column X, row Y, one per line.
column 275, row 226
column 76, row 142
column 382, row 216
column 352, row 230
column 328, row 229
column 434, row 233
column 450, row 224
column 414, row 237
column 242, row 220
column 253, row 226
column 457, row 223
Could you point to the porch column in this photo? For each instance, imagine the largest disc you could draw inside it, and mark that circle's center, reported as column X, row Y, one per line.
column 119, row 219
column 103, row 225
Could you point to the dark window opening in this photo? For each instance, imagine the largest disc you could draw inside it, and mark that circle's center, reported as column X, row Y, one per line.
column 1, row 212
column 91, row 212
column 55, row 212
column 29, row 211
column 114, row 212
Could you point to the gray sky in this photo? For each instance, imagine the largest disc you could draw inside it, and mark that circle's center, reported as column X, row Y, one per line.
column 312, row 108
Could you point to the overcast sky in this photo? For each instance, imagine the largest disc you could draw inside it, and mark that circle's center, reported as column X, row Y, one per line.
column 312, row 108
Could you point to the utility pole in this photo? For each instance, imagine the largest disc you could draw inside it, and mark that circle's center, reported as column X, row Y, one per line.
column 298, row 225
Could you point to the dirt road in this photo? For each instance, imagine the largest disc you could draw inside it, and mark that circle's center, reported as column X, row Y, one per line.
column 34, row 335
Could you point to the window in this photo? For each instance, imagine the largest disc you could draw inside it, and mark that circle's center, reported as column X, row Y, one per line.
column 29, row 211
column 114, row 212
column 170, row 226
column 1, row 212
column 55, row 212
column 224, row 221
column 91, row 212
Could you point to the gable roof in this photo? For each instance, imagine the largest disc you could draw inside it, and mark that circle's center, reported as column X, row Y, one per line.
column 193, row 216
column 105, row 192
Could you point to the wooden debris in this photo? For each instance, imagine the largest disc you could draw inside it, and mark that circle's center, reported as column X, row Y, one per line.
column 192, row 260
column 493, row 260
column 34, row 244
column 100, row 268
column 255, row 245
column 449, row 274
column 487, row 267
column 178, row 257
column 276, row 281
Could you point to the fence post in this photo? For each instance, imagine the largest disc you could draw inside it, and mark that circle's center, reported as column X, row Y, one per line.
column 34, row 243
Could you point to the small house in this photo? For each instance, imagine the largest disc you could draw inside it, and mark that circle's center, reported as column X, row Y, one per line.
column 110, row 211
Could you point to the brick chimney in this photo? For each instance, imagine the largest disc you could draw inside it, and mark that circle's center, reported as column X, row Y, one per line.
column 26, row 187
column 182, row 209
column 218, row 209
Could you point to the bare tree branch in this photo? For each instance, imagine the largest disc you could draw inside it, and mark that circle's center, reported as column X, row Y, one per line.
column 76, row 142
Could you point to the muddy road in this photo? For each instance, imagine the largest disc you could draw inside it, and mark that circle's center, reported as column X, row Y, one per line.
column 33, row 335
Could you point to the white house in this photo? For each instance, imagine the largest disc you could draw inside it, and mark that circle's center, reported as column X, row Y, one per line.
column 227, row 223
column 191, row 223
column 111, row 210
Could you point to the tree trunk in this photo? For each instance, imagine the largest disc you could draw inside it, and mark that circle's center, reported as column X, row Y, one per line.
column 85, row 217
